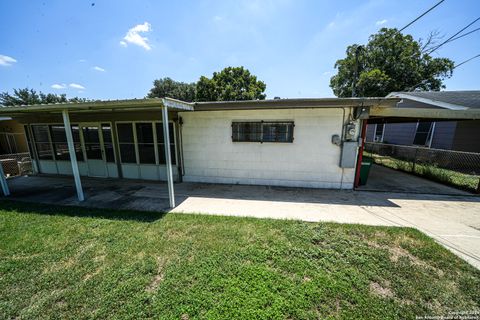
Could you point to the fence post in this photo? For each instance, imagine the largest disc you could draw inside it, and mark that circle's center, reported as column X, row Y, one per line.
column 478, row 187
column 414, row 160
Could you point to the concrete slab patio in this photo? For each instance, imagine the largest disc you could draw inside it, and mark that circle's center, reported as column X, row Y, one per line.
column 452, row 220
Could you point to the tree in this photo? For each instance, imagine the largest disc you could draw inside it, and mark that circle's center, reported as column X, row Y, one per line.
column 389, row 62
column 230, row 84
column 28, row 96
column 167, row 87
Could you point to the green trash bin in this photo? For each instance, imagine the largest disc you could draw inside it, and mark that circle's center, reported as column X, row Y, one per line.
column 365, row 170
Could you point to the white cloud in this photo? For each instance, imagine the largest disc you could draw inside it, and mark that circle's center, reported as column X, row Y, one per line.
column 6, row 60
column 217, row 18
column 76, row 86
column 58, row 86
column 82, row 60
column 380, row 22
column 97, row 68
column 133, row 36
column 326, row 73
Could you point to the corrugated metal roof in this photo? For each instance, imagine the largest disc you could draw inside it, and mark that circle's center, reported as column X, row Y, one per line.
column 202, row 106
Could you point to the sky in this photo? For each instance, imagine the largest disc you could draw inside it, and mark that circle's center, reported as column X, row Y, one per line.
column 114, row 49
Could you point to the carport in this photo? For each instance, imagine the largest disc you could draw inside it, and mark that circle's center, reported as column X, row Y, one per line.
column 386, row 179
column 94, row 119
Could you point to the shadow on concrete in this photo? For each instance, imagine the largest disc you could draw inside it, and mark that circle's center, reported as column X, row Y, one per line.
column 153, row 196
column 80, row 212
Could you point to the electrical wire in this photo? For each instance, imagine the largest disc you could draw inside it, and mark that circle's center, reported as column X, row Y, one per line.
column 474, row 57
column 420, row 16
column 450, row 39
column 465, row 34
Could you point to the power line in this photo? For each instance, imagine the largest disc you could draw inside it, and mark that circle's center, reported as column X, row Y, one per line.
column 450, row 39
column 465, row 34
column 474, row 57
column 420, row 16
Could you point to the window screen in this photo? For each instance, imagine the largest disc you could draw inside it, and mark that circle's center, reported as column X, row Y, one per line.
column 42, row 142
column 126, row 142
column 146, row 147
column 59, row 142
column 107, row 142
column 422, row 135
column 161, row 145
column 262, row 131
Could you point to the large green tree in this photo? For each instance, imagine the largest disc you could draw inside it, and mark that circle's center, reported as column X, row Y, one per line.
column 28, row 96
column 391, row 61
column 230, row 84
column 166, row 87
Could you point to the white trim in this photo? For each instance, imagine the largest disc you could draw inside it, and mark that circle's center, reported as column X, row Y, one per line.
column 168, row 157
column 73, row 156
column 437, row 103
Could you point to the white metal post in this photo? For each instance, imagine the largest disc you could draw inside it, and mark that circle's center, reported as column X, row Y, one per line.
column 168, row 158
column 3, row 182
column 73, row 156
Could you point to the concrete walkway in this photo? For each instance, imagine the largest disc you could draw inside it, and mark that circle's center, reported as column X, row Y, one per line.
column 385, row 179
column 454, row 221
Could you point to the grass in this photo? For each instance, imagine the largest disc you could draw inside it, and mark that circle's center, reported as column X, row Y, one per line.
column 449, row 177
column 68, row 262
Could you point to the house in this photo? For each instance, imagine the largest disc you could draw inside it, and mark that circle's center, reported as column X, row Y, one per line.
column 283, row 142
column 451, row 135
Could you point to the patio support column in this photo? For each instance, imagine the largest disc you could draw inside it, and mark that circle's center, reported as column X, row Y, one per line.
column 168, row 157
column 3, row 182
column 73, row 156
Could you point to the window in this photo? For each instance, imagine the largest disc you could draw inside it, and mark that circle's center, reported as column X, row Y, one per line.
column 262, row 131
column 91, row 141
column 42, row 142
column 59, row 142
column 379, row 129
column 146, row 147
column 76, row 142
column 423, row 133
column 161, row 145
column 107, row 142
column 126, row 143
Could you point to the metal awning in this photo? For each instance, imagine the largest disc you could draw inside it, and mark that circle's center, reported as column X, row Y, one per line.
column 100, row 106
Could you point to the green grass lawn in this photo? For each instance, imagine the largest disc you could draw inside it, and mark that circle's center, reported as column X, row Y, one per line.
column 68, row 262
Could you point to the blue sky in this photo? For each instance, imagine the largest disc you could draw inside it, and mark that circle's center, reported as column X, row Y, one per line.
column 115, row 49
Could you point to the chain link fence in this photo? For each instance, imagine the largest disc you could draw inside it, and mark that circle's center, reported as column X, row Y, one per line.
column 16, row 164
column 456, row 168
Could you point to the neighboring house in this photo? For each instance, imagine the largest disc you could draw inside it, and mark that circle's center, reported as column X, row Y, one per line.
column 461, row 135
column 12, row 137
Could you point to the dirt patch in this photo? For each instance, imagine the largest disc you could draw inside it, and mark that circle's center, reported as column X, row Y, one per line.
column 158, row 278
column 381, row 291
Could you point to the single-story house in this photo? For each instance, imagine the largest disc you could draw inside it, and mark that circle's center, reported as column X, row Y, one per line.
column 286, row 142
column 450, row 135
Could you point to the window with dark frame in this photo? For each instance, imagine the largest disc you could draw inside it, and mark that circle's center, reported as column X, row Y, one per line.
column 42, row 142
column 423, row 133
column 263, row 131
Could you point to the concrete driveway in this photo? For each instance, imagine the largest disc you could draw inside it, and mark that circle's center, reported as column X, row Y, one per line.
column 452, row 220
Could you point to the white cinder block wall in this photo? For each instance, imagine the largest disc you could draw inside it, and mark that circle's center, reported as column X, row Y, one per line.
column 310, row 161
